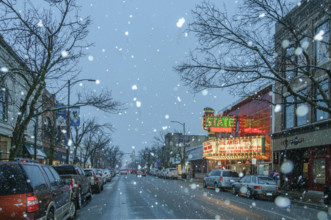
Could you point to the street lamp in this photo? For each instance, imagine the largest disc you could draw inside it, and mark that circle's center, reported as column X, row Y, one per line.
column 68, row 112
column 184, row 153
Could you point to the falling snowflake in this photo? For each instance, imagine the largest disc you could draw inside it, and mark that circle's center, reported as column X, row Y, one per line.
column 285, row 43
column 40, row 24
column 138, row 104
column 90, row 58
column 179, row 99
column 278, row 108
column 166, row 116
column 262, row 15
column 134, row 87
column 180, row 22
column 4, row 69
column 204, row 92
column 319, row 36
column 126, row 33
column 287, row 167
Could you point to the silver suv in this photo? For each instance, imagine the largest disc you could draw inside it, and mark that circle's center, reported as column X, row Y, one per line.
column 220, row 179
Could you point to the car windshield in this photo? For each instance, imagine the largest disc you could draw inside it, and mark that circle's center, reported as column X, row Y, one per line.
column 266, row 180
column 184, row 99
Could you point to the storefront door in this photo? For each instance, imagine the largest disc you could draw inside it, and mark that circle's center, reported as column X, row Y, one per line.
column 319, row 168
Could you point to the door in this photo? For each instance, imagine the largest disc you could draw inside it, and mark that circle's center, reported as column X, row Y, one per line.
column 319, row 162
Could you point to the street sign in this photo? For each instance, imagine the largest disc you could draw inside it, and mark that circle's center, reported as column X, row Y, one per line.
column 61, row 116
column 75, row 116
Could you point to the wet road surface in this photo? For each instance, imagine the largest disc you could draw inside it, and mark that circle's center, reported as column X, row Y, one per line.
column 131, row 197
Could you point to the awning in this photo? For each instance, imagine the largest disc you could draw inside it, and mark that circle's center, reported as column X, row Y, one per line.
column 194, row 153
column 40, row 152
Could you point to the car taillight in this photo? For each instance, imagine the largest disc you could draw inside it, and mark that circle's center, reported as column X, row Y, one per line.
column 221, row 178
column 277, row 188
column 257, row 187
column 32, row 203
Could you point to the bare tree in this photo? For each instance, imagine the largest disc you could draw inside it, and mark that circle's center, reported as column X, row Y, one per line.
column 113, row 156
column 238, row 51
column 47, row 41
column 88, row 126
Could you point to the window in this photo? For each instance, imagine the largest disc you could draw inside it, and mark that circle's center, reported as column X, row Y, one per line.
column 289, row 112
column 302, row 61
column 322, row 37
column 50, row 176
column 320, row 114
column 36, row 177
column 56, row 176
column 290, row 62
column 47, row 127
column 301, row 110
column 3, row 104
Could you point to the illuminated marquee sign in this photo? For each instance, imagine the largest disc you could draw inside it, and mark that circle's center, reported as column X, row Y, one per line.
column 241, row 145
column 218, row 123
column 209, row 147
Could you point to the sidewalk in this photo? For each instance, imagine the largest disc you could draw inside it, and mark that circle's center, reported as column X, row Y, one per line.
column 313, row 199
column 309, row 198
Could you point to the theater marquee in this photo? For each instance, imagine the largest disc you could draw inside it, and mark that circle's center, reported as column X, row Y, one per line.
column 234, row 148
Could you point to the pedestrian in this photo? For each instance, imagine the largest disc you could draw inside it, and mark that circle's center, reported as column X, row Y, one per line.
column 275, row 175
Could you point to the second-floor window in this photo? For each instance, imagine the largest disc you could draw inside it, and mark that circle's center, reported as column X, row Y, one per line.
column 3, row 104
column 301, row 109
column 289, row 112
column 322, row 39
column 320, row 114
column 290, row 63
column 47, row 127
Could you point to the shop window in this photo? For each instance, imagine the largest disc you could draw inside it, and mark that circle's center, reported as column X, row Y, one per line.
column 322, row 37
column 289, row 112
column 3, row 104
column 320, row 114
column 319, row 171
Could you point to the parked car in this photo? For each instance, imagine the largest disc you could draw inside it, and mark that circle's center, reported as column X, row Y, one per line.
column 141, row 172
column 95, row 180
column 221, row 179
column 123, row 171
column 107, row 175
column 33, row 191
column 102, row 176
column 112, row 173
column 161, row 174
column 75, row 177
column 171, row 173
column 256, row 187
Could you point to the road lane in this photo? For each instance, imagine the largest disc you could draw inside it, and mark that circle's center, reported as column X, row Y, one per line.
column 131, row 197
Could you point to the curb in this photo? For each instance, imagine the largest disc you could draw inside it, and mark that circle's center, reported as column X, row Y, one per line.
column 323, row 207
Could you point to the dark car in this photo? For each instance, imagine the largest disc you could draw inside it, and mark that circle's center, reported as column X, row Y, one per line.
column 219, row 178
column 33, row 191
column 75, row 177
column 95, row 180
column 256, row 186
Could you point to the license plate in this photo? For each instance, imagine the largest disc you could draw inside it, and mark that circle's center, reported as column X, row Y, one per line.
column 269, row 194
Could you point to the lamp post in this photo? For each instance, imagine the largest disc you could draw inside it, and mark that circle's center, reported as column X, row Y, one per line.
column 68, row 113
column 184, row 153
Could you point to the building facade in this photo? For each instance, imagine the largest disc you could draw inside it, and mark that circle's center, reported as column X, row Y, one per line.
column 240, row 135
column 301, row 130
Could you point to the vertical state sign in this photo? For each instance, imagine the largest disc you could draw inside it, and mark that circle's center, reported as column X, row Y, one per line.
column 209, row 148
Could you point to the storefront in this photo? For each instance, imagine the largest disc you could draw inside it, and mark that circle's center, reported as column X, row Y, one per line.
column 310, row 152
column 196, row 164
column 246, row 155
column 28, row 151
column 4, row 147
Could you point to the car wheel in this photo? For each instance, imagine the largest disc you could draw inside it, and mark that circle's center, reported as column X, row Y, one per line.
column 72, row 210
column 90, row 191
column 102, row 188
column 50, row 215
column 99, row 189
column 234, row 192
column 204, row 184
column 215, row 186
column 79, row 199
column 249, row 194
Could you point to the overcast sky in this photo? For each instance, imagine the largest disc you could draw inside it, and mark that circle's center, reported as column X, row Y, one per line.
column 137, row 44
